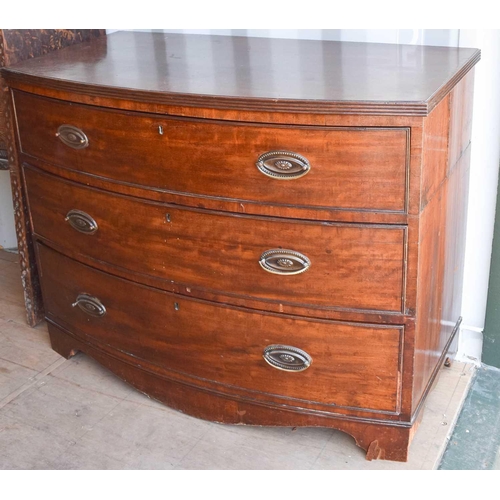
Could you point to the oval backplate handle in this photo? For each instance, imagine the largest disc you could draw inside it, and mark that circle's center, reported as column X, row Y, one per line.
column 81, row 221
column 287, row 358
column 285, row 262
column 90, row 305
column 283, row 165
column 72, row 136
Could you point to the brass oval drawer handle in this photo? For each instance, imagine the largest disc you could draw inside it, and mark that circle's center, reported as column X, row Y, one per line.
column 90, row 305
column 283, row 165
column 287, row 358
column 72, row 137
column 81, row 221
column 280, row 261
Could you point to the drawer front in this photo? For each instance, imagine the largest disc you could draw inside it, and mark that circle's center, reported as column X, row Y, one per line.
column 350, row 168
column 319, row 264
column 349, row 365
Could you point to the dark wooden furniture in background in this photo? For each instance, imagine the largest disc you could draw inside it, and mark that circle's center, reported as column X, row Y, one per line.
column 253, row 231
column 16, row 46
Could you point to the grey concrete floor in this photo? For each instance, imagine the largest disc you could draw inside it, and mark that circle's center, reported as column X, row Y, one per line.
column 74, row 414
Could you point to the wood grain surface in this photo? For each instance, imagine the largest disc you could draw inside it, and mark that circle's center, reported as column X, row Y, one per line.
column 257, row 73
column 442, row 231
column 351, row 168
column 352, row 365
column 221, row 251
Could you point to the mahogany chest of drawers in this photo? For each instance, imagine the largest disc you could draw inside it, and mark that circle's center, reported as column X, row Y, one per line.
column 252, row 231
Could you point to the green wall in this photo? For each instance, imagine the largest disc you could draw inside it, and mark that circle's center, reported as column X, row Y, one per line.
column 491, row 340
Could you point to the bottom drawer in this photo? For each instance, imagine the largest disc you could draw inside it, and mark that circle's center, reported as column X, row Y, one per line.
column 333, row 363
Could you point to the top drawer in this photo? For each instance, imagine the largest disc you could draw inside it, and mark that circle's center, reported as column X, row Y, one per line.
column 349, row 168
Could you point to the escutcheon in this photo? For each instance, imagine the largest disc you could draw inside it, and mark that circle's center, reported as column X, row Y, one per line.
column 287, row 358
column 72, row 136
column 284, row 262
column 81, row 221
column 90, row 305
column 283, row 165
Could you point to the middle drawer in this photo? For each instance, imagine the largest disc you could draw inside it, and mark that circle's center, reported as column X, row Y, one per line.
column 346, row 266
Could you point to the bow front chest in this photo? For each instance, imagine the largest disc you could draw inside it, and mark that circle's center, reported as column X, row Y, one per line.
column 252, row 231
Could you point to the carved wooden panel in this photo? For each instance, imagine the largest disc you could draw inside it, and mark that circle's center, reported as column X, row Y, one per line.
column 4, row 165
column 26, row 44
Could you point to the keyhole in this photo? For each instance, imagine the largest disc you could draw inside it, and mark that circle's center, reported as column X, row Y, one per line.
column 160, row 129
column 176, row 306
column 168, row 217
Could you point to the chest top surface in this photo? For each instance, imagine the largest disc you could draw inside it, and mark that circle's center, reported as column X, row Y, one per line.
column 254, row 73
